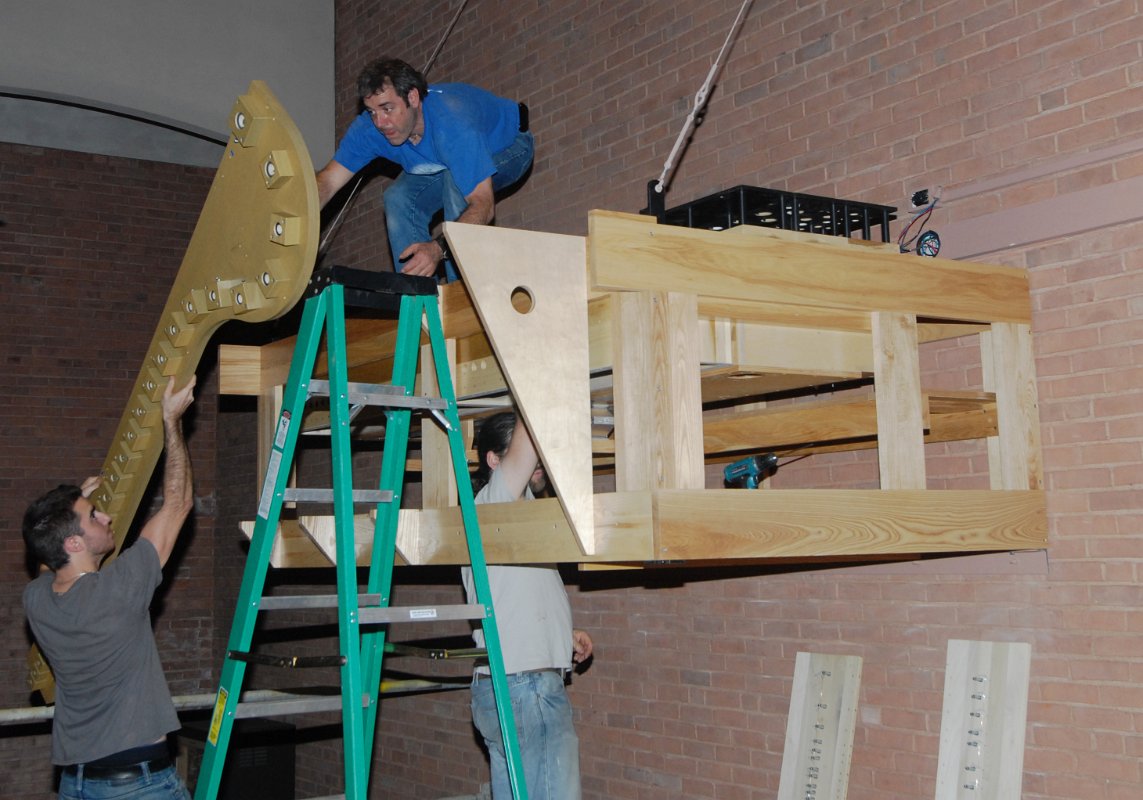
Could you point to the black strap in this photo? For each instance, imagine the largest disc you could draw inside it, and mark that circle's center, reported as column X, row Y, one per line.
column 367, row 289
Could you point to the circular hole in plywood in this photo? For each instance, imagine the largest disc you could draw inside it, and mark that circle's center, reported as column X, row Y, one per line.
column 523, row 300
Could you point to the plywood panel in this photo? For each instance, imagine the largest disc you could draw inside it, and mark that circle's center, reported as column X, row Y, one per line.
column 542, row 350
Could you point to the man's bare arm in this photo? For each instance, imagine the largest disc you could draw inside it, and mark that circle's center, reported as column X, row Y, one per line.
column 481, row 205
column 520, row 460
column 422, row 258
column 162, row 530
column 330, row 179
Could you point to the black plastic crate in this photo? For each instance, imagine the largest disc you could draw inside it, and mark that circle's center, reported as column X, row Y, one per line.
column 773, row 208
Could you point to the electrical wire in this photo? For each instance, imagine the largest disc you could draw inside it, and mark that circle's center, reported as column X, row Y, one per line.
column 920, row 215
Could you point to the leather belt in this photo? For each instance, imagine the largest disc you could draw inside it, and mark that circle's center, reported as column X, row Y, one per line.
column 94, row 772
column 486, row 676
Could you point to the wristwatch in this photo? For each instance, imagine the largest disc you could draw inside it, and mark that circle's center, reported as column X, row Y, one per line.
column 442, row 243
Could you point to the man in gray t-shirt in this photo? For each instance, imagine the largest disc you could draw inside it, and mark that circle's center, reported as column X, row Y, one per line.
column 113, row 706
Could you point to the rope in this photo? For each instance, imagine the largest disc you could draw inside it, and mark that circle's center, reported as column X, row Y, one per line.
column 701, row 98
column 448, row 30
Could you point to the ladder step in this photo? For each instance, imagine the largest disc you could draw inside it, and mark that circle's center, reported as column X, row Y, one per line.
column 370, row 612
column 378, row 394
column 422, row 614
column 293, row 601
column 291, row 704
column 326, row 495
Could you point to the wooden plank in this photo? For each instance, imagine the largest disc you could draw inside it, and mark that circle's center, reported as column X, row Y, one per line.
column 779, row 347
column 832, row 426
column 983, row 720
column 900, row 414
column 543, row 350
column 296, row 544
column 637, row 254
column 741, row 381
column 438, row 478
column 785, row 426
column 717, row 525
column 790, row 314
column 531, row 532
column 248, row 370
column 820, row 726
column 1015, row 461
column 658, row 404
column 800, row 523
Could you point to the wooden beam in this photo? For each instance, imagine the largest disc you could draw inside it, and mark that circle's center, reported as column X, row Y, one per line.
column 249, row 370
column 799, row 523
column 782, row 348
column 789, row 425
column 626, row 252
column 438, row 478
column 1009, row 369
column 737, row 381
column 658, row 405
column 531, row 532
column 950, row 416
column 900, row 414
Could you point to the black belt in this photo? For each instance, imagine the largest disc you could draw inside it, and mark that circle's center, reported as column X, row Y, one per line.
column 523, row 117
column 93, row 772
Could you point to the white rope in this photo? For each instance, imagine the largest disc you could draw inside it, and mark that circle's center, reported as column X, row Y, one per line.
column 701, row 97
column 440, row 45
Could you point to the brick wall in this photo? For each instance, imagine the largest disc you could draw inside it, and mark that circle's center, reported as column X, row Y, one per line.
column 88, row 249
column 1003, row 105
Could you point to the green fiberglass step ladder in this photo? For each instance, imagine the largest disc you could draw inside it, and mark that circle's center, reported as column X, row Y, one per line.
column 363, row 618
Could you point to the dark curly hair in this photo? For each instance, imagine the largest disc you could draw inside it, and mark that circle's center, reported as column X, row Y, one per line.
column 49, row 521
column 394, row 72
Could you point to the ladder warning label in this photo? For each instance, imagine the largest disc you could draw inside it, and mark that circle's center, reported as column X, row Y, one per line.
column 283, row 429
column 269, row 483
column 422, row 613
column 216, row 718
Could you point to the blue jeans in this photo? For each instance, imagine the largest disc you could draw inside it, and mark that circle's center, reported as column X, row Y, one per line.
column 549, row 748
column 163, row 785
column 412, row 200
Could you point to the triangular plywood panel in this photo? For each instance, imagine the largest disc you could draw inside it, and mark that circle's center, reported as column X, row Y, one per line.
column 542, row 350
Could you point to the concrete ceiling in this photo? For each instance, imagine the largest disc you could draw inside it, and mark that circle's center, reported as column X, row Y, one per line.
column 155, row 79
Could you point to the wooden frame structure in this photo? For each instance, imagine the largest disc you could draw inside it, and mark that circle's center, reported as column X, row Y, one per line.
column 611, row 345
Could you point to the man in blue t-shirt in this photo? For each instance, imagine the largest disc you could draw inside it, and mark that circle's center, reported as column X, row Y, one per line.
column 457, row 146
